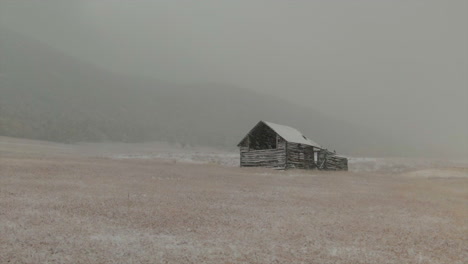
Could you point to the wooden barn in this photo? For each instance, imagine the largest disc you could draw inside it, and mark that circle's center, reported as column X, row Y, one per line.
column 282, row 147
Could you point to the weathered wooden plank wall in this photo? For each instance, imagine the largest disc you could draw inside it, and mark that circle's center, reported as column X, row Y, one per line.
column 300, row 156
column 271, row 158
column 329, row 161
column 264, row 158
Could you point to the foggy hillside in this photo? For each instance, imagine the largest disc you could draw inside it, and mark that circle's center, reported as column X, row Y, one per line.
column 51, row 96
column 385, row 78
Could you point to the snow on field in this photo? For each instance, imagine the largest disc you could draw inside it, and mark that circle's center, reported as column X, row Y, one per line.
column 224, row 159
column 203, row 155
column 89, row 209
column 206, row 155
column 400, row 165
column 231, row 159
column 100, row 208
column 163, row 151
column 438, row 173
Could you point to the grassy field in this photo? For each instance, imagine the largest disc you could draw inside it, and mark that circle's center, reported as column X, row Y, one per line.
column 60, row 205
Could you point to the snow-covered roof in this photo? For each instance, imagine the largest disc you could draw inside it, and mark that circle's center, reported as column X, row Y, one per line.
column 291, row 134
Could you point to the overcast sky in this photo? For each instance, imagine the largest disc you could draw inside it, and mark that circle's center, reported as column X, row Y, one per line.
column 398, row 65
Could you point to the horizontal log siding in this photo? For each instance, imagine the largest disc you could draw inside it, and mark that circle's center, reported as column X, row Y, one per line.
column 270, row 158
column 300, row 156
column 329, row 161
column 336, row 163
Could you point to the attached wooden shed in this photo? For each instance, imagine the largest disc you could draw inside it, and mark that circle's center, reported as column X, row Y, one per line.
column 282, row 147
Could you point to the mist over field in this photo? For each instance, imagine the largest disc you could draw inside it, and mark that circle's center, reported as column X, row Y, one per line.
column 119, row 125
column 366, row 78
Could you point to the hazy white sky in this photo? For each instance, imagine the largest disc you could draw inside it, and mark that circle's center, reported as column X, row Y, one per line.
column 399, row 65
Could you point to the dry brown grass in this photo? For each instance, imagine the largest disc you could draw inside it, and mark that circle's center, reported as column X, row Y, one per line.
column 98, row 210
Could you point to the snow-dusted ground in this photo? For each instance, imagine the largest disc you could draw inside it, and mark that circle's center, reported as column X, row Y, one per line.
column 224, row 159
column 206, row 155
column 164, row 151
column 400, row 165
column 438, row 173
column 146, row 203
column 231, row 159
